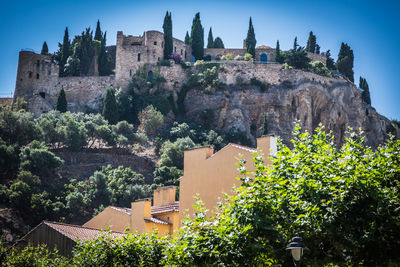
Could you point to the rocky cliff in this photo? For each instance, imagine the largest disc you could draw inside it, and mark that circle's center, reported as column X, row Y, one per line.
column 292, row 95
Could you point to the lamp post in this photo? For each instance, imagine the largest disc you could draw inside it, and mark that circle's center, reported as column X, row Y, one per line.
column 296, row 248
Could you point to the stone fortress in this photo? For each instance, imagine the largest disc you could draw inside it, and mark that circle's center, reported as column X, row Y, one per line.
column 39, row 84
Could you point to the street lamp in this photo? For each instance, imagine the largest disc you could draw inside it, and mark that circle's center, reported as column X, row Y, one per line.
column 297, row 248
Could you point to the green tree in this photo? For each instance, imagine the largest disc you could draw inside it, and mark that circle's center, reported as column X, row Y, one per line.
column 365, row 95
column 84, row 50
column 104, row 61
column 197, row 38
column 311, row 43
column 210, row 43
column 265, row 125
column 74, row 132
column 278, row 54
column 45, row 49
column 167, row 27
column 345, row 61
column 218, row 43
column 61, row 102
column 187, row 38
column 330, row 63
column 65, row 51
column 110, row 109
column 72, row 67
column 98, row 35
column 20, row 195
column 297, row 57
column 317, row 49
column 251, row 40
column 151, row 120
column 295, row 44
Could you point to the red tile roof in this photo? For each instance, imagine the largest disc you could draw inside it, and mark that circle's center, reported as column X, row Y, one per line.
column 156, row 220
column 166, row 208
column 125, row 210
column 76, row 232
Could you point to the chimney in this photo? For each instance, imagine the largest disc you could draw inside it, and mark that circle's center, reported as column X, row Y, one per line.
column 194, row 157
column 140, row 210
column 267, row 144
column 164, row 196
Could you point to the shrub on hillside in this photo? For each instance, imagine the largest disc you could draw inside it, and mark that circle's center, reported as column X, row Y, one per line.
column 151, row 120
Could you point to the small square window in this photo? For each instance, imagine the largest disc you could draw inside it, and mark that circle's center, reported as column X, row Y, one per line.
column 155, row 43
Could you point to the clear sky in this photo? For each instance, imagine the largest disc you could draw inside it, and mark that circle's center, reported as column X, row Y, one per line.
column 371, row 28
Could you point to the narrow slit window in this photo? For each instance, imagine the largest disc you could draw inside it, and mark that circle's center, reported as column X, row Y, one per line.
column 138, row 57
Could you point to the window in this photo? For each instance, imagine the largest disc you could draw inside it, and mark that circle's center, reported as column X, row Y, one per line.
column 181, row 52
column 38, row 63
column 30, row 74
column 162, row 44
column 130, row 72
column 158, row 59
column 37, row 75
column 42, row 94
column 175, row 49
column 138, row 57
column 155, row 43
column 49, row 72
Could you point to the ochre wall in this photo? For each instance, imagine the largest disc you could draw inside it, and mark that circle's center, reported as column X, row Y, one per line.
column 112, row 218
column 210, row 175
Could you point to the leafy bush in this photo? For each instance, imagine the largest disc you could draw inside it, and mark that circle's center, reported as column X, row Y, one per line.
column 263, row 86
column 151, row 120
column 177, row 58
column 287, row 67
column 165, row 63
column 227, row 57
column 248, row 57
column 319, row 68
column 172, row 153
column 186, row 65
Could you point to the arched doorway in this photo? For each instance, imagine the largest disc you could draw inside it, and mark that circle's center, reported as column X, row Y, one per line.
column 263, row 58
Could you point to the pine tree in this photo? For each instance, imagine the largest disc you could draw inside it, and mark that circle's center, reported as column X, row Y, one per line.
column 278, row 53
column 65, row 51
column 251, row 40
column 345, row 61
column 295, row 44
column 197, row 38
column 317, row 49
column 265, row 125
column 365, row 95
column 330, row 64
column 98, row 34
column 218, row 43
column 187, row 38
column 167, row 27
column 311, row 43
column 210, row 43
column 62, row 102
column 45, row 49
column 110, row 108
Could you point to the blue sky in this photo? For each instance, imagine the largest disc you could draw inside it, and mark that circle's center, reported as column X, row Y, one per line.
column 371, row 28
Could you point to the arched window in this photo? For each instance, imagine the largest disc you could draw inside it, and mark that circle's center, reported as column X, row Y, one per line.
column 37, row 75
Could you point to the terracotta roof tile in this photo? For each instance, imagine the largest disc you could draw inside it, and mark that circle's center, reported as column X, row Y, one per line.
column 248, row 149
column 76, row 232
column 156, row 220
column 124, row 210
column 166, row 208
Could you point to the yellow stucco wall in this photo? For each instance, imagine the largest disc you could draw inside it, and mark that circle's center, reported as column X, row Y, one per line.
column 210, row 175
column 114, row 219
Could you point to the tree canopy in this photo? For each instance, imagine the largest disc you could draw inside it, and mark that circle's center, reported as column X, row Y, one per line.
column 210, row 43
column 251, row 40
column 167, row 27
column 345, row 61
column 197, row 38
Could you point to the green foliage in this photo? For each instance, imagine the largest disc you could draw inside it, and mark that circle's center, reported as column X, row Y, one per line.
column 104, row 58
column 345, row 61
column 330, row 63
column 126, row 105
column 33, row 256
column 210, row 43
column 218, row 43
column 45, row 49
column 297, row 57
column 167, row 27
column 262, row 85
column 187, row 38
column 166, row 175
column 37, row 159
column 227, row 57
column 172, row 153
column 98, row 34
column 19, row 195
column 84, row 50
column 62, row 101
column 65, row 51
column 279, row 58
column 207, row 117
column 20, row 104
column 311, row 43
column 365, row 95
column 9, row 159
column 251, row 40
column 165, row 63
column 72, row 67
column 197, row 38
column 151, row 120
column 75, row 133
column 110, row 109
column 265, row 125
column 319, row 68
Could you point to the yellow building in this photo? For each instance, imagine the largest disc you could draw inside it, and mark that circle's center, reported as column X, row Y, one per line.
column 142, row 217
column 206, row 174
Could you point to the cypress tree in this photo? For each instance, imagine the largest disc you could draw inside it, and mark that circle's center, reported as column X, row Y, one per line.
column 210, row 43
column 45, row 49
column 365, row 95
column 345, row 61
column 265, row 125
column 330, row 64
column 295, row 44
column 98, row 34
column 110, row 108
column 65, row 51
column 167, row 27
column 62, row 102
column 251, row 40
column 278, row 54
column 104, row 62
column 218, row 43
column 197, row 38
column 317, row 49
column 187, row 38
column 311, row 43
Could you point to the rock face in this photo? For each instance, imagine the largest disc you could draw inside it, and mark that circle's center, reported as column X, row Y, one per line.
column 292, row 95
